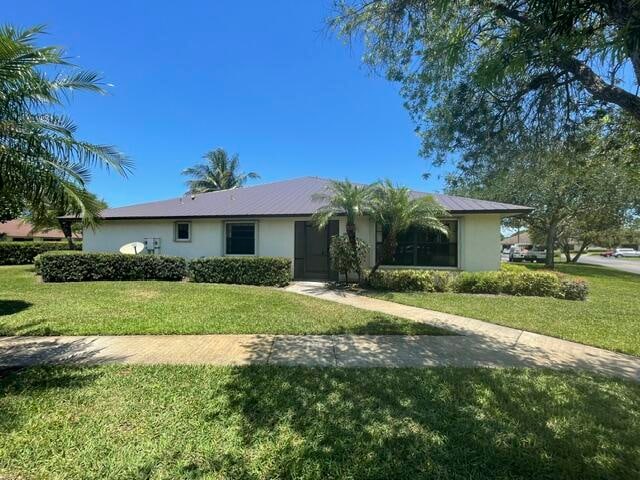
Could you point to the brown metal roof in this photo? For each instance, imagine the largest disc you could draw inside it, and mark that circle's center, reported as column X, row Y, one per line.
column 285, row 198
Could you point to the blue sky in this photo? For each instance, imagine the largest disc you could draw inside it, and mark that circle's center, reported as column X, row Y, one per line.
column 263, row 79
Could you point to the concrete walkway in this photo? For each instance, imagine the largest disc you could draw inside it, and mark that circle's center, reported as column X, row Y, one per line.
column 477, row 344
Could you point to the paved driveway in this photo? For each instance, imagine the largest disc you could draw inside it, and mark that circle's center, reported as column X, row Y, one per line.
column 625, row 265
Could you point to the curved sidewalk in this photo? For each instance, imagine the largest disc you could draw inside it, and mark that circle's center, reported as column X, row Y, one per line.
column 476, row 344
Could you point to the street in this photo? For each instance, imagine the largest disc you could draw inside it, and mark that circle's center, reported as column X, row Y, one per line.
column 626, row 265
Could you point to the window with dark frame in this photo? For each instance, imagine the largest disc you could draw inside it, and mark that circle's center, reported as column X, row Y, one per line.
column 240, row 239
column 424, row 248
column 183, row 232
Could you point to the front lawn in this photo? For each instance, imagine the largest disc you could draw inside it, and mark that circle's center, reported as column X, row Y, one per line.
column 610, row 318
column 267, row 422
column 28, row 307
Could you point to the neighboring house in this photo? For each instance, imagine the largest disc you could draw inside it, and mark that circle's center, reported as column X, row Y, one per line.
column 274, row 220
column 19, row 230
column 518, row 237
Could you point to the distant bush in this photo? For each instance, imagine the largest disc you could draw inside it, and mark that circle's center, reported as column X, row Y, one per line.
column 78, row 267
column 23, row 253
column 574, row 289
column 267, row 271
column 520, row 282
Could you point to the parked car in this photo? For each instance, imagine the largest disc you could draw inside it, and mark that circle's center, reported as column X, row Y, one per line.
column 525, row 252
column 607, row 253
column 626, row 252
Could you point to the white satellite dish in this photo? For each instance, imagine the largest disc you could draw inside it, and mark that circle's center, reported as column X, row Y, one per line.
column 132, row 248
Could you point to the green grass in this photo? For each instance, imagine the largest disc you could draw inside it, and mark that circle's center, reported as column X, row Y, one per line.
column 610, row 318
column 29, row 307
column 269, row 422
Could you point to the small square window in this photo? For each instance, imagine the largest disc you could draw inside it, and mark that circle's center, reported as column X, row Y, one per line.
column 240, row 239
column 183, row 232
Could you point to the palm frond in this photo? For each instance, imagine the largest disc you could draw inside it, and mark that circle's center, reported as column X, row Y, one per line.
column 41, row 161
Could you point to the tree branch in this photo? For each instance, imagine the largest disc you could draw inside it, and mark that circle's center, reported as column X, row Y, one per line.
column 599, row 89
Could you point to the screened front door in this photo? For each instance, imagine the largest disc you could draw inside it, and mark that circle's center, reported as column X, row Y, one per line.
column 312, row 250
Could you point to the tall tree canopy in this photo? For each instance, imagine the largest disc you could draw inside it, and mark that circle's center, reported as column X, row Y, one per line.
column 219, row 172
column 579, row 187
column 43, row 165
column 474, row 72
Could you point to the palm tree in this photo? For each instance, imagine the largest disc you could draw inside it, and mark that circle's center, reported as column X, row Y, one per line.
column 49, row 219
column 219, row 172
column 394, row 208
column 42, row 163
column 343, row 198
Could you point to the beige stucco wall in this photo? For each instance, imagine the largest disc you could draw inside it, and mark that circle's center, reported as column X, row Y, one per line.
column 275, row 237
column 479, row 242
column 206, row 236
column 479, row 238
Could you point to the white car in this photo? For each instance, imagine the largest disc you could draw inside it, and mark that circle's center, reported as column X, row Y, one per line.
column 522, row 252
column 626, row 252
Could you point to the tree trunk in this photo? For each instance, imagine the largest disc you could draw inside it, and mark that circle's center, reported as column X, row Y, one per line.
column 567, row 252
column 583, row 247
column 351, row 234
column 65, row 226
column 388, row 250
column 550, row 244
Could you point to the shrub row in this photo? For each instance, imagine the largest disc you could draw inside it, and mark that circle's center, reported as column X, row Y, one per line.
column 510, row 282
column 23, row 253
column 78, row 267
column 269, row 271
column 411, row 280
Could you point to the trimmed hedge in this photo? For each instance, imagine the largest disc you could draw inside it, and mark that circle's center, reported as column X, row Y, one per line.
column 410, row 280
column 527, row 283
column 507, row 282
column 79, row 267
column 267, row 271
column 23, row 253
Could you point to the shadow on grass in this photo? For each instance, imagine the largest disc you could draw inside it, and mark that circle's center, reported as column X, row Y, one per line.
column 411, row 423
column 306, row 423
column 384, row 325
column 19, row 380
column 9, row 307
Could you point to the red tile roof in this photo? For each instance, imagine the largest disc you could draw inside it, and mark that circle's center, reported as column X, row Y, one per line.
column 22, row 229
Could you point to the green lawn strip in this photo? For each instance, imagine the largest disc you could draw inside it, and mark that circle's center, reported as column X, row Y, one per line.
column 29, row 307
column 610, row 318
column 277, row 422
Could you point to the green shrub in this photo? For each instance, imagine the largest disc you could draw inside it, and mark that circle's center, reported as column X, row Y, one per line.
column 79, row 267
column 23, row 253
column 510, row 282
column 401, row 280
column 532, row 284
column 442, row 280
column 574, row 289
column 512, row 267
column 269, row 271
column 342, row 258
column 479, row 282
